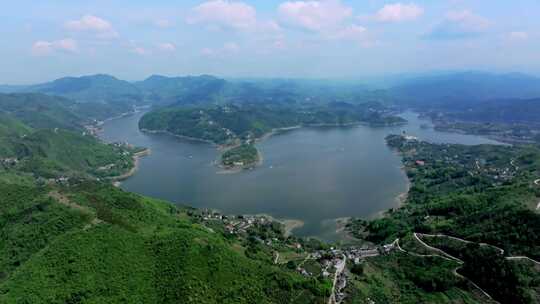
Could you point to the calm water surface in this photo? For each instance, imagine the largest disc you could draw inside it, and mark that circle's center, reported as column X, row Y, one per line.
column 311, row 174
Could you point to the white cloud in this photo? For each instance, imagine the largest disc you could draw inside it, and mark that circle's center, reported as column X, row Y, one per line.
column 315, row 15
column 166, row 47
column 135, row 48
column 469, row 21
column 329, row 19
column 89, row 23
column 44, row 48
column 518, row 36
column 398, row 12
column 224, row 14
column 460, row 24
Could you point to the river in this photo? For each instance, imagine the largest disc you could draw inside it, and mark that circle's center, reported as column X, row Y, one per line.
column 312, row 174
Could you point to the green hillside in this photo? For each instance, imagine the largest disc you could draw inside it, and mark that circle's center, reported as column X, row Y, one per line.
column 223, row 124
column 41, row 111
column 98, row 244
column 45, row 153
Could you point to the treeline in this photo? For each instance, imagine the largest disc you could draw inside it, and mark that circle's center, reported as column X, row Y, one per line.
column 222, row 124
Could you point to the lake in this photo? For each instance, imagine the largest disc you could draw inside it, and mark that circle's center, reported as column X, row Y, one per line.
column 315, row 175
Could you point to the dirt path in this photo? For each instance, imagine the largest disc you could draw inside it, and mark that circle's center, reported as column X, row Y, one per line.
column 64, row 200
column 445, row 256
column 501, row 251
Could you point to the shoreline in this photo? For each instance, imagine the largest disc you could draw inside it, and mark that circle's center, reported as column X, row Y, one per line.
column 289, row 224
column 225, row 147
column 234, row 170
column 117, row 180
column 180, row 136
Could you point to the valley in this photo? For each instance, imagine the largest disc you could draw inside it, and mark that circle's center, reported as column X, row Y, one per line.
column 275, row 219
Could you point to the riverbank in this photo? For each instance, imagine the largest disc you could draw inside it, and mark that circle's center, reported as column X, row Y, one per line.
column 136, row 157
column 180, row 136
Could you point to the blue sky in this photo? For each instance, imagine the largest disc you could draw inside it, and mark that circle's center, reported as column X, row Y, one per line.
column 43, row 40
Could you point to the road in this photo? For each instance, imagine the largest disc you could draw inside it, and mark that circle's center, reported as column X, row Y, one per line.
column 339, row 269
column 443, row 256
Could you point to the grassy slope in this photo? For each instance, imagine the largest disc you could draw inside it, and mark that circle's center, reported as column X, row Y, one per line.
column 138, row 252
column 400, row 278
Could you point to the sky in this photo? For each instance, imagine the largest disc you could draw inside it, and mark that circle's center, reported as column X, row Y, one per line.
column 133, row 39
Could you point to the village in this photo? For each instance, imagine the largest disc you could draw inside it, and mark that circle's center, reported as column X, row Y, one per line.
column 332, row 263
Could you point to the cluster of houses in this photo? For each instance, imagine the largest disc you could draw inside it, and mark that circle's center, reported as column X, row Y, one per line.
column 235, row 224
column 93, row 129
column 333, row 261
column 9, row 161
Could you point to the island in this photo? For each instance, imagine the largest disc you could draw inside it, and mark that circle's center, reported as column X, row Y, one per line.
column 243, row 156
column 236, row 128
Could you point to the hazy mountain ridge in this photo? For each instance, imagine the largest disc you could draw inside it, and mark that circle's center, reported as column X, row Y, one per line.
column 466, row 87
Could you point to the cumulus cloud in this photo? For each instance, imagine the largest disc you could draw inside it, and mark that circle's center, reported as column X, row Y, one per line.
column 221, row 13
column 351, row 32
column 398, row 12
column 460, row 24
column 44, row 48
column 314, row 15
column 329, row 19
column 89, row 23
column 166, row 47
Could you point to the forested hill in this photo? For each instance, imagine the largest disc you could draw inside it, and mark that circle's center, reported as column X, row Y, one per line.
column 201, row 90
column 225, row 124
column 41, row 111
column 68, row 236
column 464, row 197
column 93, row 88
column 29, row 154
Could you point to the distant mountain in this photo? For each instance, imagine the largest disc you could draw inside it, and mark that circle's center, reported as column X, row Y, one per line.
column 94, row 88
column 11, row 88
column 507, row 111
column 189, row 89
column 465, row 87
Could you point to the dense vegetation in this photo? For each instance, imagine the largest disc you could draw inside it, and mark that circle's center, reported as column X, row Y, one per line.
column 225, row 124
column 509, row 281
column 480, row 193
column 66, row 237
column 244, row 155
column 401, row 278
column 95, row 243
